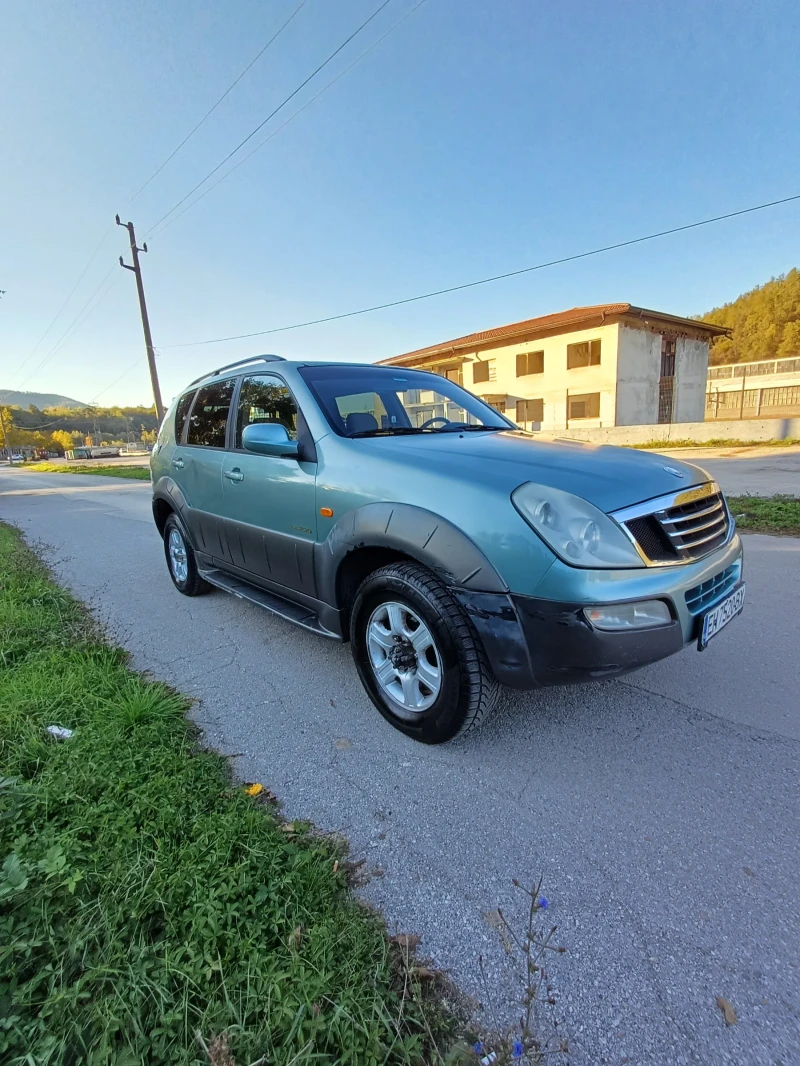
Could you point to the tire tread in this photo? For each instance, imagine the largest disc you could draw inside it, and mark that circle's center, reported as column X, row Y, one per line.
column 482, row 685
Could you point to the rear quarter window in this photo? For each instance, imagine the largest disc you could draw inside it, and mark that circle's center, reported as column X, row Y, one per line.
column 181, row 411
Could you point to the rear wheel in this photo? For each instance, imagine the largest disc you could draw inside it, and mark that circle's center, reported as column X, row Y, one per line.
column 181, row 561
column 418, row 656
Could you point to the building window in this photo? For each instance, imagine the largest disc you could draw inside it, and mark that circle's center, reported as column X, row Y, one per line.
column 666, row 383
column 454, row 373
column 585, row 406
column 584, row 353
column 530, row 410
column 498, row 405
column 530, row 363
column 482, row 371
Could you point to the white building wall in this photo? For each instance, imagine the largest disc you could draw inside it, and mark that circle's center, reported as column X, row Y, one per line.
column 691, row 372
column 557, row 381
column 638, row 367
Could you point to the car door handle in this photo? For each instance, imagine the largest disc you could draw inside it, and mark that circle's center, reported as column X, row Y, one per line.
column 178, row 464
column 234, row 475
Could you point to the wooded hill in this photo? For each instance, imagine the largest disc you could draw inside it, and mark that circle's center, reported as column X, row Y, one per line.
column 114, row 423
column 59, row 428
column 765, row 323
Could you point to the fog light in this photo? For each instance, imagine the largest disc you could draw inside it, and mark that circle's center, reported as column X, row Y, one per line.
column 643, row 615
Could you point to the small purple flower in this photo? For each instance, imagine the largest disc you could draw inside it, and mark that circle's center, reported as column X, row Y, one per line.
column 478, row 1048
column 543, row 902
column 517, row 1050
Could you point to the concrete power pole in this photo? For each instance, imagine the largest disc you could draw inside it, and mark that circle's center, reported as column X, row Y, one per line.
column 148, row 340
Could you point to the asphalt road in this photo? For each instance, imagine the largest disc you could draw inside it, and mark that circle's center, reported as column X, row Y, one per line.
column 744, row 471
column 661, row 810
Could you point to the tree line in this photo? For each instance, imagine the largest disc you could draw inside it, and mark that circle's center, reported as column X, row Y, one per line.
column 765, row 323
column 58, row 429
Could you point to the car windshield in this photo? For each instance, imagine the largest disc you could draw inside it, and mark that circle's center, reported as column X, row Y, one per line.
column 378, row 401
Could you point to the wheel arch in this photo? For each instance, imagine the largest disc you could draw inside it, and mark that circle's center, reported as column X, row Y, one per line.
column 377, row 534
column 167, row 499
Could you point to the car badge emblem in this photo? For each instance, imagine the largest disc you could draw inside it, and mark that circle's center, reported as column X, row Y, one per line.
column 674, row 470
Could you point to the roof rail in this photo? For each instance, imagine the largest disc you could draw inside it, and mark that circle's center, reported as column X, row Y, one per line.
column 240, row 362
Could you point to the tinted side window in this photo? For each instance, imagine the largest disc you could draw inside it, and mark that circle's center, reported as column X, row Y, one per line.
column 181, row 411
column 209, row 417
column 265, row 398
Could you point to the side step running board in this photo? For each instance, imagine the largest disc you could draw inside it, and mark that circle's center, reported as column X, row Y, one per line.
column 291, row 612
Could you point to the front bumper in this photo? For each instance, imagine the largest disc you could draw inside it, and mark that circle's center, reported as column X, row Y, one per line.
column 540, row 640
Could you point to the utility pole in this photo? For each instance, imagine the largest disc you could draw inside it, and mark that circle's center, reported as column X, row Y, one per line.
column 148, row 340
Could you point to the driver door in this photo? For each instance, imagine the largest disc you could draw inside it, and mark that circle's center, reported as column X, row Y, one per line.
column 269, row 502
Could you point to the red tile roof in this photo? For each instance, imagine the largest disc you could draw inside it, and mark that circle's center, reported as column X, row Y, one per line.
column 559, row 321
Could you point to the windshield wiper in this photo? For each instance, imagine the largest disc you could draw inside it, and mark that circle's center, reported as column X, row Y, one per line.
column 472, row 429
column 392, row 431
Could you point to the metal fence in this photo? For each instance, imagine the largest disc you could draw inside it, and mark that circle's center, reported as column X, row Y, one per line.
column 763, row 366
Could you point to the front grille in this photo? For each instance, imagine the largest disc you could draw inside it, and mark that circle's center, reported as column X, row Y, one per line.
column 696, row 528
column 701, row 597
column 679, row 528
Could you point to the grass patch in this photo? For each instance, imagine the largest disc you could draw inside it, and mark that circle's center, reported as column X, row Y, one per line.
column 767, row 514
column 135, row 473
column 717, row 442
column 145, row 897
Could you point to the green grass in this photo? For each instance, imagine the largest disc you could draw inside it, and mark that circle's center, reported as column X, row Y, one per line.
column 144, row 896
column 767, row 514
column 137, row 473
column 717, row 442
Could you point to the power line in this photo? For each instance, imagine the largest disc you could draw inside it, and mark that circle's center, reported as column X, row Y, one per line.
column 271, row 115
column 487, row 281
column 283, row 125
column 57, row 315
column 211, row 110
column 141, row 189
column 117, row 380
column 75, row 324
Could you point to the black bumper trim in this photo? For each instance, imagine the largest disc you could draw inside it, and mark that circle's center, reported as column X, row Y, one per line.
column 532, row 642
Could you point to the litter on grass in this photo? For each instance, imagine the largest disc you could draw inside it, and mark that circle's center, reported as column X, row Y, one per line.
column 60, row 732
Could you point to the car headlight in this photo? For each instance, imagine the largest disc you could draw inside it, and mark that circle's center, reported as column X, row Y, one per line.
column 576, row 530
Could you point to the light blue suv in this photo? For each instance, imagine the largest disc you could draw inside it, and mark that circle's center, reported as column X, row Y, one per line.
column 394, row 509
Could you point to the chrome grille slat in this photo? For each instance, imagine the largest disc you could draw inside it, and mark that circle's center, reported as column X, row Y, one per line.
column 716, row 506
column 696, row 529
column 679, row 528
column 703, row 540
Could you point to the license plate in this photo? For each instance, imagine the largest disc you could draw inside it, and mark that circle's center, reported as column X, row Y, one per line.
column 719, row 617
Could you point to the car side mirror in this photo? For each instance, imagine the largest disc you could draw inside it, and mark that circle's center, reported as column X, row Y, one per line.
column 269, row 438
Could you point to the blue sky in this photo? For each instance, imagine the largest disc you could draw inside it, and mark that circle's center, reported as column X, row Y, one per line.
column 476, row 138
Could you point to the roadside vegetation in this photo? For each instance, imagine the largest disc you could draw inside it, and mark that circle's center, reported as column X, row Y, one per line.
column 765, row 322
column 717, row 442
column 136, row 473
column 767, row 514
column 152, row 909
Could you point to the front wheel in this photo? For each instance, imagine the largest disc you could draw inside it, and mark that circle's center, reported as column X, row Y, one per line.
column 418, row 656
column 181, row 561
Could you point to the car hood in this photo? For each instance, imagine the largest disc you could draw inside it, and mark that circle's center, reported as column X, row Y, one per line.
column 607, row 476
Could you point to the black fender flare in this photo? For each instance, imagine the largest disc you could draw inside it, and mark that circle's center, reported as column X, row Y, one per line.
column 422, row 535
column 168, row 491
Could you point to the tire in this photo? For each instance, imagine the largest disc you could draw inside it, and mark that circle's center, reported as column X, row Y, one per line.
column 431, row 692
column 186, row 578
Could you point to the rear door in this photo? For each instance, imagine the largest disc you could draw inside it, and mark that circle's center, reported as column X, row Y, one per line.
column 201, row 474
column 270, row 502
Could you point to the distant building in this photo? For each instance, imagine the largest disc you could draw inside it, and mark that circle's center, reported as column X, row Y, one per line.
column 769, row 388
column 607, row 365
